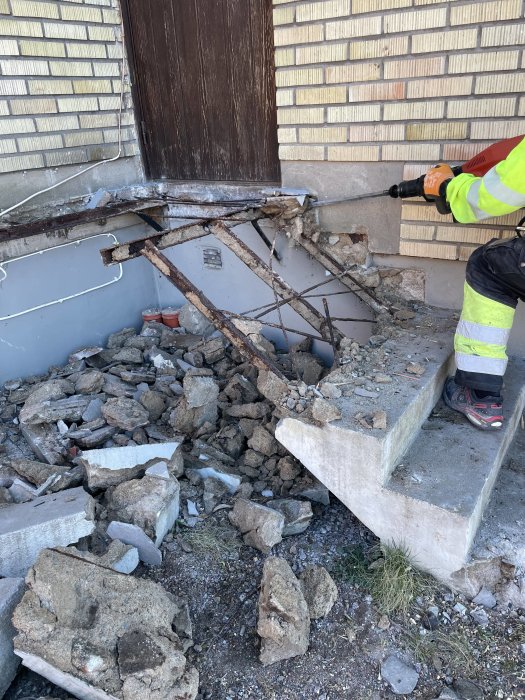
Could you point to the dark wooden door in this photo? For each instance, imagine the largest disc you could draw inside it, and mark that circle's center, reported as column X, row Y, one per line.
column 204, row 88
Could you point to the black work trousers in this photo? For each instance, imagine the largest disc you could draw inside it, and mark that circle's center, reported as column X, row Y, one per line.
column 495, row 270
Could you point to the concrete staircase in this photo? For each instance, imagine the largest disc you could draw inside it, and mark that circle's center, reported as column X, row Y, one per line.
column 424, row 482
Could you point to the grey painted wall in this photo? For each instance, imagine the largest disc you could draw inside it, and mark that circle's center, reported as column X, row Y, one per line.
column 29, row 344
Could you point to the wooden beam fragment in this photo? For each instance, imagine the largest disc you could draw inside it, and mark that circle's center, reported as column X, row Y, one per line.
column 308, row 312
column 209, row 310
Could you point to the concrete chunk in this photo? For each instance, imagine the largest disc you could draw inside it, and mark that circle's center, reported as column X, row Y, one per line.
column 262, row 527
column 134, row 536
column 104, row 634
column 114, row 465
column 284, row 622
column 150, row 502
column 50, row 521
column 11, row 591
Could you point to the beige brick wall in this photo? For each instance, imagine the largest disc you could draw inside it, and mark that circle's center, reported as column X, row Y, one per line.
column 60, row 67
column 410, row 81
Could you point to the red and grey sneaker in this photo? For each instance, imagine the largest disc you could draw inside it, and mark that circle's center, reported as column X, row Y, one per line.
column 485, row 413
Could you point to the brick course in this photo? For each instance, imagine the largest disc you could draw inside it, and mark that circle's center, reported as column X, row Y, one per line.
column 414, row 81
column 60, row 65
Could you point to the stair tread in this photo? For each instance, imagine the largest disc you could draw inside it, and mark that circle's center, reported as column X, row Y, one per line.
column 453, row 465
column 502, row 530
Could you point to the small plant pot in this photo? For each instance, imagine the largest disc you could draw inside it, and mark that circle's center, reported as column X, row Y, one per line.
column 170, row 317
column 152, row 315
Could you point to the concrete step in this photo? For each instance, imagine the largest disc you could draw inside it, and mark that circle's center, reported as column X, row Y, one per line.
column 407, row 400
column 445, row 480
column 422, row 483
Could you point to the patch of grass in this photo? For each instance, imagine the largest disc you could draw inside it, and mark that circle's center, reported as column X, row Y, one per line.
column 387, row 572
column 214, row 541
column 452, row 648
column 395, row 581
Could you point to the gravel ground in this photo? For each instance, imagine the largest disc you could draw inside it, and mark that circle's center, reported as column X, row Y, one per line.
column 220, row 577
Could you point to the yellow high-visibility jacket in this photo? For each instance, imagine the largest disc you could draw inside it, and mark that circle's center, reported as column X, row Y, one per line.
column 500, row 191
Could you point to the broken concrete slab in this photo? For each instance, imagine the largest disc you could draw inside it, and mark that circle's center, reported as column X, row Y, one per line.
column 45, row 442
column 297, row 514
column 50, row 521
column 284, row 621
column 39, row 473
column 112, row 633
column 134, row 536
column 69, row 409
column 262, row 527
column 319, row 590
column 11, row 591
column 150, row 503
column 113, row 465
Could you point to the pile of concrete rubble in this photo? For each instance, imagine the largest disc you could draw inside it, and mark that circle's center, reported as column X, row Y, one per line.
column 97, row 453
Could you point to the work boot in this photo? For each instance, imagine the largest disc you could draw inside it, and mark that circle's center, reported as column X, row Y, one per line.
column 485, row 413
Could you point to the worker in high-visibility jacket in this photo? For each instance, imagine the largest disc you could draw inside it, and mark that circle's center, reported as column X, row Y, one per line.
column 495, row 280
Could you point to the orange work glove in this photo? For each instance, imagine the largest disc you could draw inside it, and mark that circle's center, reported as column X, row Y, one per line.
column 435, row 185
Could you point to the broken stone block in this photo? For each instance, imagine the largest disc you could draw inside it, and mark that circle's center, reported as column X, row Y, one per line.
column 193, row 321
column 150, row 503
column 49, row 521
column 248, row 410
column 52, row 390
column 289, row 469
column 11, row 591
column 39, row 473
column 318, row 493
column 324, row 412
column 93, row 410
column 319, row 590
column 264, row 442
column 271, row 387
column 401, row 677
column 95, row 438
column 154, row 403
column 90, row 382
column 135, row 537
column 284, row 622
column 297, row 515
column 213, row 350
column 262, row 527
column 307, row 367
column 240, row 389
column 185, row 419
column 199, row 391
column 116, row 387
column 104, row 634
column 114, row 465
column 125, row 413
column 127, row 355
column 117, row 340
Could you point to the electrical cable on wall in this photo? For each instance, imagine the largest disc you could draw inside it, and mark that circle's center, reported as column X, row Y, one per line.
column 93, row 165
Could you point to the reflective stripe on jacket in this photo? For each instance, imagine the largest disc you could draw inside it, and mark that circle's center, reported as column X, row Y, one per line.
column 500, row 191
